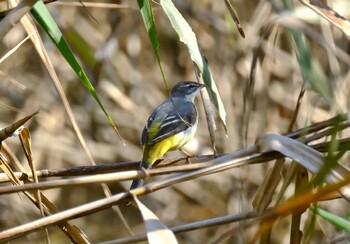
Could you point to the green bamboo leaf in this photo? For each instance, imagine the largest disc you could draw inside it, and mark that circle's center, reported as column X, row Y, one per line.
column 339, row 222
column 47, row 23
column 188, row 37
column 311, row 72
column 310, row 69
column 81, row 48
column 148, row 20
column 331, row 158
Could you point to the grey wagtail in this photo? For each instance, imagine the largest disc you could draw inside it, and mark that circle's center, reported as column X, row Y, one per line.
column 171, row 125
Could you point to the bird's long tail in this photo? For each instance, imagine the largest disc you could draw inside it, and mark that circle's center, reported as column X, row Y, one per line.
column 139, row 182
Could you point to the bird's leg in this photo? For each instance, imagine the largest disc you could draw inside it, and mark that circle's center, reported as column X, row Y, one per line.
column 188, row 155
column 144, row 167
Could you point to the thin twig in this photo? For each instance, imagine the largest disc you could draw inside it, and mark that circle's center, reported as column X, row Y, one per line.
column 219, row 164
column 161, row 169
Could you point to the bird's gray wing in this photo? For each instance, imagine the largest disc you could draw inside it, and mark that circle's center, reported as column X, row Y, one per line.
column 172, row 121
column 155, row 119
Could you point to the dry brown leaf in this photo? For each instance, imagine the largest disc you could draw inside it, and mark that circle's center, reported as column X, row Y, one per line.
column 157, row 231
column 321, row 8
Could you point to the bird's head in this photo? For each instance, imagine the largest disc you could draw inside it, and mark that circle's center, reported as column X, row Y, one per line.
column 188, row 89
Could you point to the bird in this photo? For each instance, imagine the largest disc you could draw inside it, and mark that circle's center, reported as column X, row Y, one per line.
column 171, row 125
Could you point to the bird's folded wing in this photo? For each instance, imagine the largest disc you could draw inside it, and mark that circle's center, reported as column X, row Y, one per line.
column 171, row 122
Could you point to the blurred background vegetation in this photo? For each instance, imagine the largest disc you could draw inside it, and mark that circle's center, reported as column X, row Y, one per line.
column 113, row 47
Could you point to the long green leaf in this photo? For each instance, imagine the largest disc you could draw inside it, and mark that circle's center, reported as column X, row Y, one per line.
column 48, row 24
column 188, row 37
column 312, row 74
column 332, row 218
column 331, row 158
column 148, row 20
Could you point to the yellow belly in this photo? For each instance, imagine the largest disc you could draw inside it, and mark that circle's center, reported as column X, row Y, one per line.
column 152, row 152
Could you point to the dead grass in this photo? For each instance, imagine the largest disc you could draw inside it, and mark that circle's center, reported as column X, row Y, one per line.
column 119, row 59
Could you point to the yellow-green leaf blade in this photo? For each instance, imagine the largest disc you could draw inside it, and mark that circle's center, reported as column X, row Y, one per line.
column 47, row 23
column 340, row 222
column 148, row 20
